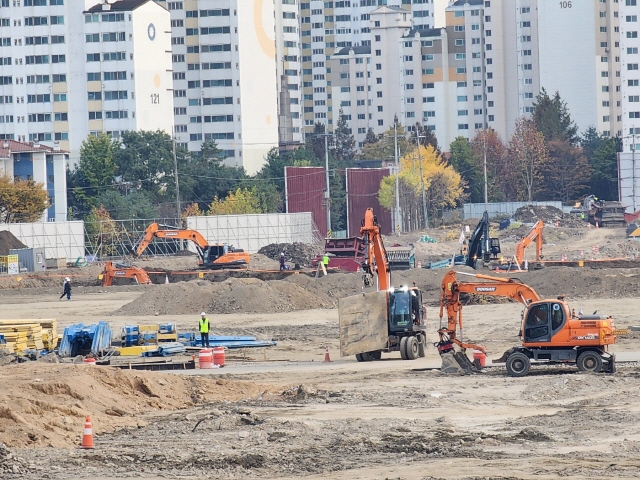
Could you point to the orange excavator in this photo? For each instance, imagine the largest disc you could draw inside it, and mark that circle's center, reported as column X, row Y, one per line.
column 534, row 235
column 388, row 320
column 116, row 270
column 550, row 332
column 209, row 256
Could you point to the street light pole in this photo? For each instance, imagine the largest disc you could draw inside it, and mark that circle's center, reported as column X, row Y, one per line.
column 395, row 155
column 424, row 196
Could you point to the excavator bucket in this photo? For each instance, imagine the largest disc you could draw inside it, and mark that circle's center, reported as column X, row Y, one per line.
column 457, row 363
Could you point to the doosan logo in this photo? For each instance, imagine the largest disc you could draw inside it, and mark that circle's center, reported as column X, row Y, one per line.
column 485, row 289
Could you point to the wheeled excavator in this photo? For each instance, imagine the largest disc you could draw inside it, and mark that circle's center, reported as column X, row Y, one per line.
column 551, row 332
column 209, row 256
column 391, row 319
column 116, row 270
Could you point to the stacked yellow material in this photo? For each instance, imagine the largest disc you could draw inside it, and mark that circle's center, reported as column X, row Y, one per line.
column 29, row 334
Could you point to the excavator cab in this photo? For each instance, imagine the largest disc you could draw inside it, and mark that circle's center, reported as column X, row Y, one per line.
column 405, row 310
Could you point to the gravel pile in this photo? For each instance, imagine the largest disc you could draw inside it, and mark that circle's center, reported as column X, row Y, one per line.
column 300, row 253
column 10, row 465
column 548, row 214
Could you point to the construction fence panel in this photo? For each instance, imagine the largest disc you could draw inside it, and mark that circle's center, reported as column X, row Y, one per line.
column 475, row 210
column 363, row 185
column 252, row 232
column 304, row 192
column 59, row 239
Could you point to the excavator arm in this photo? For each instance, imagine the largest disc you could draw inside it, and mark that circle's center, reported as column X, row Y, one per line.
column 375, row 254
column 534, row 235
column 163, row 231
column 496, row 286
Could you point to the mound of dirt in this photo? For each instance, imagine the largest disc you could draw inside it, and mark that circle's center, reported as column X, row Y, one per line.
column 300, row 253
column 246, row 295
column 548, row 214
column 46, row 405
column 8, row 242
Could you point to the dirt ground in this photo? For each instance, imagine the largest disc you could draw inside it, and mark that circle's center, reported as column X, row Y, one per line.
column 282, row 413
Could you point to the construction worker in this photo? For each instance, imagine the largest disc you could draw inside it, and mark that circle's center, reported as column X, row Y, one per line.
column 66, row 289
column 282, row 261
column 325, row 260
column 204, row 330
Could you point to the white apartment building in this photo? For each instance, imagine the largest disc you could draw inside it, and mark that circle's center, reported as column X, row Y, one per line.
column 329, row 26
column 289, row 73
column 630, row 73
column 224, row 77
column 67, row 71
column 485, row 68
column 629, row 159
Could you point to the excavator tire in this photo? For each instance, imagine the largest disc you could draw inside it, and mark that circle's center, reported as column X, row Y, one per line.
column 412, row 348
column 518, row 364
column 403, row 348
column 589, row 361
column 377, row 355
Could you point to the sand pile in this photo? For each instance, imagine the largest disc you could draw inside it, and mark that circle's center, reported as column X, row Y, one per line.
column 246, row 295
column 46, row 405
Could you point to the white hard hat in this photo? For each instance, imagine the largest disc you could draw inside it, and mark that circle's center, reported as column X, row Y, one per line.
column 67, row 279
column 202, row 314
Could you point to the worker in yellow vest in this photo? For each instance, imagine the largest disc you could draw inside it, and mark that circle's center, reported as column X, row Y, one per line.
column 204, row 330
column 325, row 260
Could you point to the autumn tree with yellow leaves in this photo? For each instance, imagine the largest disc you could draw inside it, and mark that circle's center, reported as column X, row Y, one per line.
column 444, row 187
column 21, row 201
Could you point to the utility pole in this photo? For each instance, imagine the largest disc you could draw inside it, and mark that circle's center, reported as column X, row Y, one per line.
column 395, row 154
column 484, row 154
column 424, row 196
column 633, row 177
column 175, row 171
column 327, row 194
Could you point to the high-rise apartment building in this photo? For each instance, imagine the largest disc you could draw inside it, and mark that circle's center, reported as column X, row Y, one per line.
column 327, row 27
column 484, row 68
column 630, row 73
column 70, row 69
column 224, row 74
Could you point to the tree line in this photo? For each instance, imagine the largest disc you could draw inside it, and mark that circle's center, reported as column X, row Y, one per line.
column 133, row 176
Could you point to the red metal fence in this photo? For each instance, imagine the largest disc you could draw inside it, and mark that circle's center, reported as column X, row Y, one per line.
column 363, row 185
column 304, row 192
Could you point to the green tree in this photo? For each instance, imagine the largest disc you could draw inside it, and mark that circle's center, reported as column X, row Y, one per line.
column 315, row 141
column 371, row 137
column 123, row 207
column 382, row 148
column 461, row 159
column 343, row 141
column 427, row 137
column 602, row 155
column 94, row 172
column 502, row 180
column 552, row 119
column 566, row 174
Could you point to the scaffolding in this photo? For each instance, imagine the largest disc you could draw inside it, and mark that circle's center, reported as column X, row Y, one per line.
column 115, row 239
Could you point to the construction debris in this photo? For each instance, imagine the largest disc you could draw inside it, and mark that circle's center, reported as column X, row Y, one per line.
column 296, row 253
column 551, row 216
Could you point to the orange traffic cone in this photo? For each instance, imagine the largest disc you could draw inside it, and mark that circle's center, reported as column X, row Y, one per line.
column 87, row 436
column 326, row 355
